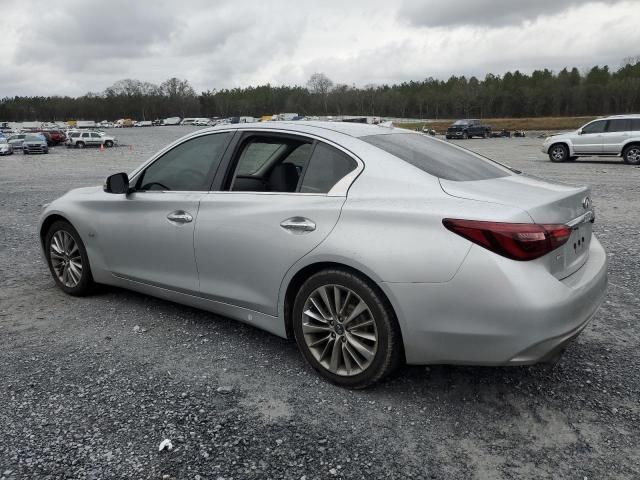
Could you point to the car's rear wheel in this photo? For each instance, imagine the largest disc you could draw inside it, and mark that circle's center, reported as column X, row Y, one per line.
column 67, row 259
column 465, row 136
column 108, row 144
column 80, row 145
column 631, row 155
column 346, row 329
column 558, row 153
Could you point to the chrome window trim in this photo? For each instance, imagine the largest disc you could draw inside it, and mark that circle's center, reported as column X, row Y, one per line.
column 340, row 189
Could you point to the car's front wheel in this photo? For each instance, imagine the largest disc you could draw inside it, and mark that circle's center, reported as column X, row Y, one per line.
column 108, row 144
column 67, row 259
column 80, row 145
column 346, row 329
column 558, row 153
column 631, row 155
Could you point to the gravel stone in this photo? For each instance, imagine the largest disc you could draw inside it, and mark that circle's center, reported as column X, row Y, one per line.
column 82, row 397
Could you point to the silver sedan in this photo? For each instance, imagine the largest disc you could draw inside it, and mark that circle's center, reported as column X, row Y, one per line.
column 368, row 245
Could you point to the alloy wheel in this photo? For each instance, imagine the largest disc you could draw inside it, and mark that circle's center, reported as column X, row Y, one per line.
column 65, row 258
column 339, row 330
column 633, row 155
column 558, row 153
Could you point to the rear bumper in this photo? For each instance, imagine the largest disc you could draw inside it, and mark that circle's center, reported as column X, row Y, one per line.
column 497, row 311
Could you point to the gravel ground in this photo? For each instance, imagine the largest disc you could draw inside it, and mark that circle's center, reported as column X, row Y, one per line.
column 91, row 386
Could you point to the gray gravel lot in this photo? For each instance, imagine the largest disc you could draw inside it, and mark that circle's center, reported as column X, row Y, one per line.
column 84, row 394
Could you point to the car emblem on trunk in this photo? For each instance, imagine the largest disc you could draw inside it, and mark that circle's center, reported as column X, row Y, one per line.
column 586, row 203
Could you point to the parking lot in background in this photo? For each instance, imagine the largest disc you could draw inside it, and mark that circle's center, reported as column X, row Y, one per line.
column 91, row 386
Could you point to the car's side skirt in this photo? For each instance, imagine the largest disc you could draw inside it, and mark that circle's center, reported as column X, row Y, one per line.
column 263, row 321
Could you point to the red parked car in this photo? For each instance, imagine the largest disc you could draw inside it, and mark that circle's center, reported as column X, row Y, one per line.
column 54, row 137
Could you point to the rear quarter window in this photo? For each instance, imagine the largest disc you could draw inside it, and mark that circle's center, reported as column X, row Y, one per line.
column 438, row 158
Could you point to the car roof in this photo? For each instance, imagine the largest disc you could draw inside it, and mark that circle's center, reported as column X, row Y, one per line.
column 628, row 115
column 303, row 126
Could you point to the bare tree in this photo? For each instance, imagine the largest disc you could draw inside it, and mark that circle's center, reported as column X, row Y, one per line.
column 320, row 84
column 174, row 87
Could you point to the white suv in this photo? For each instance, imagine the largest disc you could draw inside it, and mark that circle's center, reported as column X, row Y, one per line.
column 611, row 136
column 89, row 139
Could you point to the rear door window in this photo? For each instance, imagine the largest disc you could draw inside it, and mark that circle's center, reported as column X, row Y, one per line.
column 438, row 158
column 256, row 154
column 635, row 124
column 288, row 164
column 270, row 163
column 619, row 125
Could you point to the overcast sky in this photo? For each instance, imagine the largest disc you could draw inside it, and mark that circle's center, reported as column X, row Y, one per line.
column 75, row 46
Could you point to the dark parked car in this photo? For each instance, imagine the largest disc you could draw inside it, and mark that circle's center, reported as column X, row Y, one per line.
column 468, row 128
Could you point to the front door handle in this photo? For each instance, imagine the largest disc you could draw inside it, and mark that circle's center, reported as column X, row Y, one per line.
column 298, row 225
column 180, row 216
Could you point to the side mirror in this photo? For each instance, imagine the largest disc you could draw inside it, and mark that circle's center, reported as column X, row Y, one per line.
column 579, row 131
column 117, row 183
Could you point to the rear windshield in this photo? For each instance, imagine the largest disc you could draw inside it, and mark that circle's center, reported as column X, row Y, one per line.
column 437, row 158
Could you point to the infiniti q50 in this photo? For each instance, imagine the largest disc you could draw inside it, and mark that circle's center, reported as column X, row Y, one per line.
column 368, row 245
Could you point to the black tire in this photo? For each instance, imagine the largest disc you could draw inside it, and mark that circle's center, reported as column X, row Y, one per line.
column 465, row 136
column 108, row 144
column 86, row 284
column 447, row 137
column 631, row 155
column 80, row 145
column 558, row 153
column 389, row 351
column 24, row 152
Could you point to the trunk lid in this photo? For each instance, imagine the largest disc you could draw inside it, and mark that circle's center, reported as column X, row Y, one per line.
column 546, row 203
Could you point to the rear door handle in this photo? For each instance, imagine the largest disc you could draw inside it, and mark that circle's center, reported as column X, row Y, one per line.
column 298, row 225
column 180, row 216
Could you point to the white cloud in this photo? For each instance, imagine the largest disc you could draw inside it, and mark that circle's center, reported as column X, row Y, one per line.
column 87, row 45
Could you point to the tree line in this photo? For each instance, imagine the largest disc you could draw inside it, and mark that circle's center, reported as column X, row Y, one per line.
column 597, row 91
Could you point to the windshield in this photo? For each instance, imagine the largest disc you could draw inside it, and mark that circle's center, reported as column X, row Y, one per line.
column 461, row 122
column 33, row 138
column 438, row 158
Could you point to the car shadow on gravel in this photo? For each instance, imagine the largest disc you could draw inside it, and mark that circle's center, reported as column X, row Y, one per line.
column 241, row 342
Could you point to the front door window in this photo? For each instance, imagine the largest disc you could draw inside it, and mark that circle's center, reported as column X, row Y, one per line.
column 188, row 167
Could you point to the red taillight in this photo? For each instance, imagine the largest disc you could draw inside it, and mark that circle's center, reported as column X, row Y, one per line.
column 518, row 241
